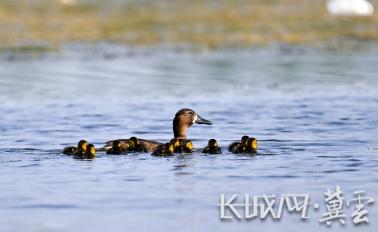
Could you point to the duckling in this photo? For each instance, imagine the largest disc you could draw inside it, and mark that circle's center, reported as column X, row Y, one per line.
column 188, row 146
column 164, row 150
column 81, row 147
column 252, row 145
column 235, row 146
column 90, row 153
column 176, row 144
column 119, row 147
column 250, row 148
column 139, row 146
column 183, row 145
column 212, row 147
column 183, row 119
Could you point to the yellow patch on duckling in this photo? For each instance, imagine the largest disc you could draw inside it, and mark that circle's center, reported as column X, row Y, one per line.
column 171, row 148
column 92, row 152
column 83, row 145
column 189, row 145
column 254, row 144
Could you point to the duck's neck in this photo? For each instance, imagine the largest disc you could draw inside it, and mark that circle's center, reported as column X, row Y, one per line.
column 179, row 129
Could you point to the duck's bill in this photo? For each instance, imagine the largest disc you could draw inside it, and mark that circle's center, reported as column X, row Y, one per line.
column 201, row 120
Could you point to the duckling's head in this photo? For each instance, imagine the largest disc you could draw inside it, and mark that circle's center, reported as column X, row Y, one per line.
column 252, row 144
column 175, row 143
column 82, row 145
column 91, row 150
column 184, row 119
column 212, row 143
column 244, row 140
column 169, row 147
column 135, row 140
column 189, row 145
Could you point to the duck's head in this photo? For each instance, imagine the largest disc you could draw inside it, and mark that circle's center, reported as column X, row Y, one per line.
column 212, row 143
column 184, row 119
column 244, row 140
column 82, row 145
column 91, row 151
column 252, row 144
column 175, row 143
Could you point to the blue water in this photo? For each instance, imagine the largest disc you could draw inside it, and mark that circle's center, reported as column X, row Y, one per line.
column 314, row 113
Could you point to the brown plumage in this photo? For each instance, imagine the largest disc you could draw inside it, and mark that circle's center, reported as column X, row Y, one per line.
column 119, row 147
column 133, row 144
column 184, row 119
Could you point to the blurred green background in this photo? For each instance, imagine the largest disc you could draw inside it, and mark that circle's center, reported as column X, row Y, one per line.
column 51, row 24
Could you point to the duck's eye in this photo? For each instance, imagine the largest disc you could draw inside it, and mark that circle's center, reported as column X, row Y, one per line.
column 190, row 112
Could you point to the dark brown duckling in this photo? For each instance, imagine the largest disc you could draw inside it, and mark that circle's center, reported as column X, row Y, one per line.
column 252, row 145
column 81, row 147
column 164, row 150
column 212, row 147
column 236, row 145
column 90, row 153
column 139, row 145
column 250, row 148
column 119, row 147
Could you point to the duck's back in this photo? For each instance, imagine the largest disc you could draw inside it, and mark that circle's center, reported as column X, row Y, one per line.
column 149, row 144
column 109, row 144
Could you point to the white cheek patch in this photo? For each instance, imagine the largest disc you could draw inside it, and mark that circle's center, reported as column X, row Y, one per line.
column 195, row 119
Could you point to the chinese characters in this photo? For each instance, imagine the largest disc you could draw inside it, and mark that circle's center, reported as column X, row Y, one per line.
column 265, row 206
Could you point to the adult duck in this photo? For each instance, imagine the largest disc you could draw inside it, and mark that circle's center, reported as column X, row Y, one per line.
column 183, row 119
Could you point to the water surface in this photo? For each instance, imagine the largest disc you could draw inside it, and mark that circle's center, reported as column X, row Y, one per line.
column 313, row 112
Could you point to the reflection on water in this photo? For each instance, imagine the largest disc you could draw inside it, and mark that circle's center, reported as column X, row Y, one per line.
column 314, row 113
